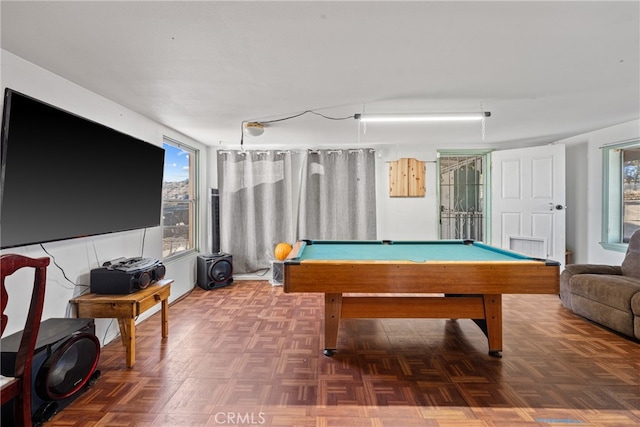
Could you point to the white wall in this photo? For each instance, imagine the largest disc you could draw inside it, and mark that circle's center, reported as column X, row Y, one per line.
column 416, row 218
column 576, row 197
column 407, row 218
column 584, row 192
column 78, row 256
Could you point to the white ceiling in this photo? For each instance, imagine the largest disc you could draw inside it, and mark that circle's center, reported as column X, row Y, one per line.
column 544, row 69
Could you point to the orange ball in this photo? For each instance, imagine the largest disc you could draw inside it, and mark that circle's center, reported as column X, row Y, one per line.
column 282, row 250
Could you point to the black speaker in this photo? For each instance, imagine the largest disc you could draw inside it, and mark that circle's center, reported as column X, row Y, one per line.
column 214, row 271
column 126, row 275
column 64, row 365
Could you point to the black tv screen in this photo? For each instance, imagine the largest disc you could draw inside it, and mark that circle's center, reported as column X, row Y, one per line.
column 64, row 176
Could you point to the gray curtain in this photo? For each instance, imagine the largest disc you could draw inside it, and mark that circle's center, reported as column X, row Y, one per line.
column 338, row 195
column 255, row 206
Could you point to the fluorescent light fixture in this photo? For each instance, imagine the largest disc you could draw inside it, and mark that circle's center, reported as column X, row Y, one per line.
column 421, row 117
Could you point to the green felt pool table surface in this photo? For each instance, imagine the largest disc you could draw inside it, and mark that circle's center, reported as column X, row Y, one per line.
column 416, row 251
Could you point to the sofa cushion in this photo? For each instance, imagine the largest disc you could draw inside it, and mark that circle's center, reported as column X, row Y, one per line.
column 610, row 290
column 631, row 262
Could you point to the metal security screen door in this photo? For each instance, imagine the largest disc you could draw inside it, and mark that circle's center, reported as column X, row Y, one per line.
column 462, row 196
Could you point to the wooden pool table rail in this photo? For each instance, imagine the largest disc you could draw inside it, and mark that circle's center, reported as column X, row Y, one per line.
column 470, row 289
column 518, row 277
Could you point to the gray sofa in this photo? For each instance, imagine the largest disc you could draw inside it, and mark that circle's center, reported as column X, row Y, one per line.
column 608, row 295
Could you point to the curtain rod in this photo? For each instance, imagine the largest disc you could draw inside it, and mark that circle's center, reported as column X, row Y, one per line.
column 339, row 150
column 620, row 143
column 259, row 152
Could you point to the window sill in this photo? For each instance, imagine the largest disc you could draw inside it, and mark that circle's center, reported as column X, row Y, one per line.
column 617, row 247
column 179, row 255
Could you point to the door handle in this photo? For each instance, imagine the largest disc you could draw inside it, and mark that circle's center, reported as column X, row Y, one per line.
column 556, row 207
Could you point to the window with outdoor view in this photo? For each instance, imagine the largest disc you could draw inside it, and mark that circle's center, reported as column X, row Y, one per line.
column 179, row 203
column 631, row 191
column 621, row 194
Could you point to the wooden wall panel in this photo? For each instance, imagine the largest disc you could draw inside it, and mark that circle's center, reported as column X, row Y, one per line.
column 407, row 178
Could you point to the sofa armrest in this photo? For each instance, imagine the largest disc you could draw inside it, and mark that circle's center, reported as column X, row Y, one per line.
column 593, row 269
column 572, row 269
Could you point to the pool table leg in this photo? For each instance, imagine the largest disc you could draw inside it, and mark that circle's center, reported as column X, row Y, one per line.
column 332, row 310
column 493, row 318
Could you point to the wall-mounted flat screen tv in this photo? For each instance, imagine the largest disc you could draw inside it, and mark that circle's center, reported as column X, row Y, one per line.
column 64, row 176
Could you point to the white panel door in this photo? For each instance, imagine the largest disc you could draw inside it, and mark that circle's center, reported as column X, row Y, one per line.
column 528, row 197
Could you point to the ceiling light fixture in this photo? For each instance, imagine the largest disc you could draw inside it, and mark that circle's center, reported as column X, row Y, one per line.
column 257, row 128
column 254, row 128
column 421, row 117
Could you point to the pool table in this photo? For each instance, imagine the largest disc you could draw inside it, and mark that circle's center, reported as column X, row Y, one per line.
column 367, row 279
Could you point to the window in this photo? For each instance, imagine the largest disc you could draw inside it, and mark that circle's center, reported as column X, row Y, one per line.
column 462, row 196
column 179, row 202
column 620, row 194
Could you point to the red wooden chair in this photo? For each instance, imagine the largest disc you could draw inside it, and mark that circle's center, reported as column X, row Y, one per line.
column 18, row 387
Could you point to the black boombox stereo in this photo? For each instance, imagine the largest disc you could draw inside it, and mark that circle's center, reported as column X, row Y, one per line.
column 126, row 275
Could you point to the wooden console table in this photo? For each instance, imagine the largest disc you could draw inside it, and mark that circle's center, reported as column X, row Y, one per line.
column 126, row 308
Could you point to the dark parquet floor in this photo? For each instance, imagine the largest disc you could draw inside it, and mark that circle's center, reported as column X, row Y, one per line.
column 249, row 354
